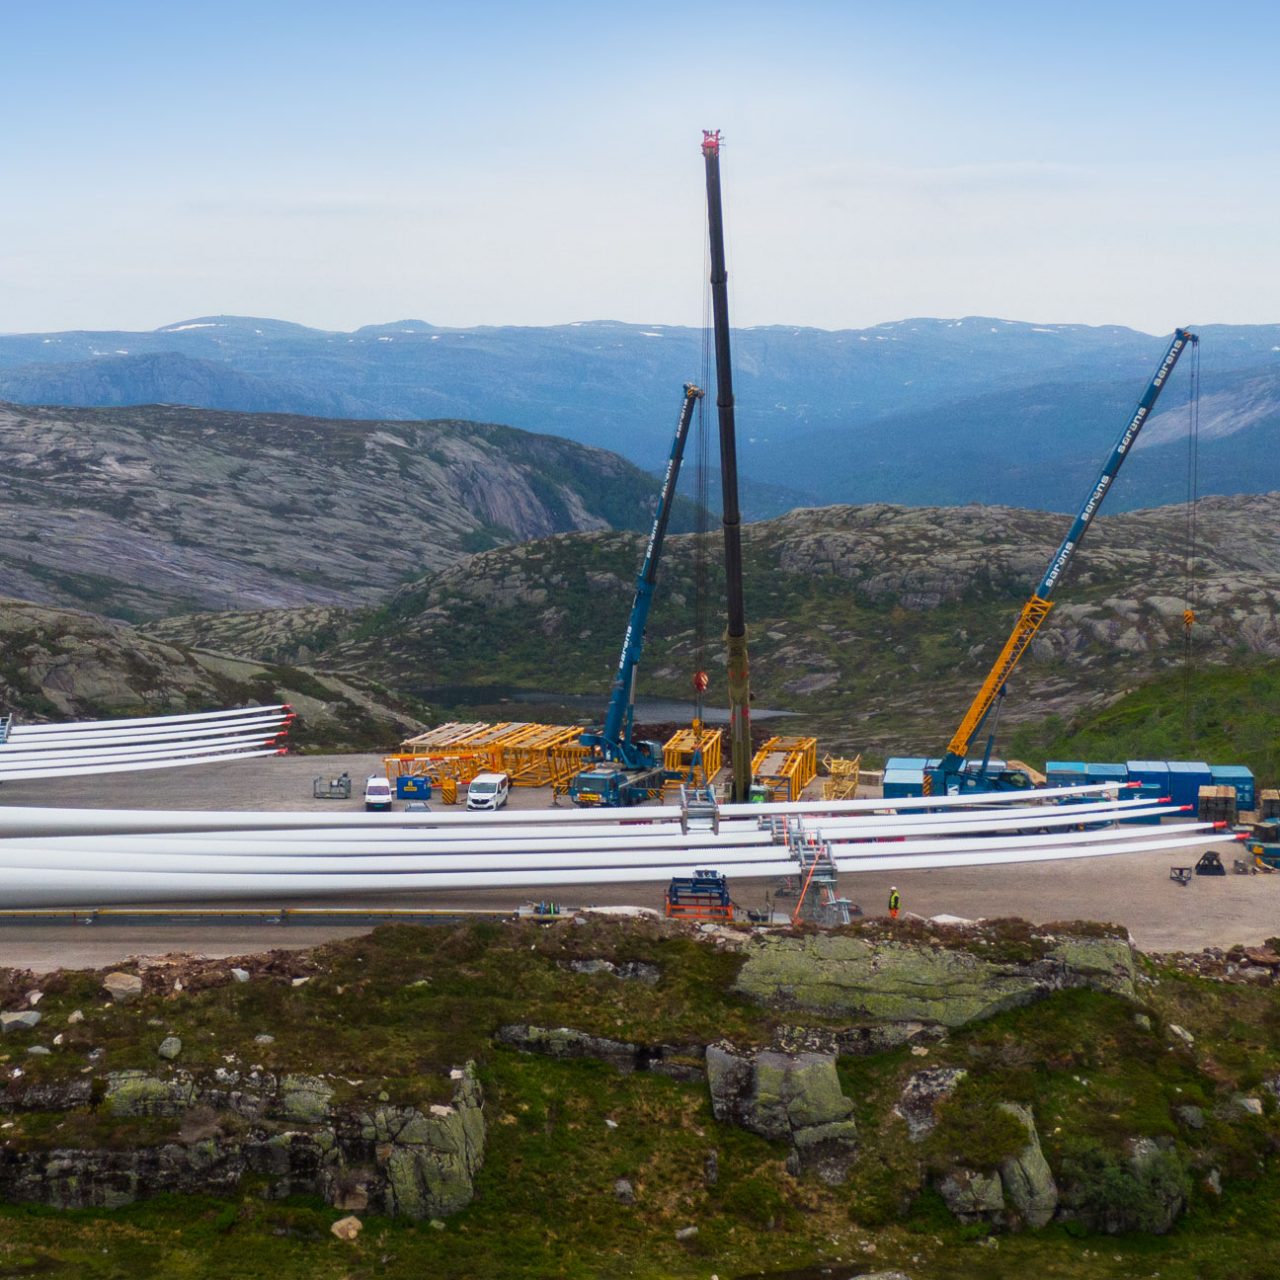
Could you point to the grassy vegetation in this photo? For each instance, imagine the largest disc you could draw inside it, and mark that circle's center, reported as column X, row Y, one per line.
column 1233, row 717
column 391, row 1012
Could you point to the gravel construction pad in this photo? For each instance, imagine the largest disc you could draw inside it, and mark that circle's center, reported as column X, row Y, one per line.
column 1129, row 889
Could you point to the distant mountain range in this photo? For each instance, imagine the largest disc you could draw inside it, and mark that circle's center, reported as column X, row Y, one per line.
column 921, row 411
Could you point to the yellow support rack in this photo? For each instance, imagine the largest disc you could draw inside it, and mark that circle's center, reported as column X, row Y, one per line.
column 443, row 738
column 841, row 782
column 543, row 754
column 677, row 760
column 786, row 766
column 460, row 768
column 678, row 756
column 534, row 755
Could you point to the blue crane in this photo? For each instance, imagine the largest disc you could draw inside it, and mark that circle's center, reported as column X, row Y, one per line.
column 613, row 742
column 950, row 771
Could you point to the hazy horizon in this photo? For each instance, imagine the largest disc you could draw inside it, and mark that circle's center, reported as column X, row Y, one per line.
column 211, row 316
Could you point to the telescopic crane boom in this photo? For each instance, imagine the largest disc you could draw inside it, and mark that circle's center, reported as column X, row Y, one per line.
column 1037, row 608
column 614, row 741
column 736, row 630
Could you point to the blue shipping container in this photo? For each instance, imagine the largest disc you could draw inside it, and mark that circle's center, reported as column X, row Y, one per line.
column 1240, row 777
column 1155, row 772
column 1107, row 772
column 411, row 787
column 904, row 762
column 901, row 783
column 1150, row 793
column 1186, row 777
column 1065, row 773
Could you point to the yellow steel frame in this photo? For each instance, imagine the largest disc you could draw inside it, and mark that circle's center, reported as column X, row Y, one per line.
column 535, row 755
column 841, row 782
column 1034, row 612
column 679, row 750
column 787, row 777
column 445, row 737
column 543, row 755
column 461, row 768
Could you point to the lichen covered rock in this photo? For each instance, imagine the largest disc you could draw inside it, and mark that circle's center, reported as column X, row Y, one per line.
column 407, row 1161
column 849, row 976
column 792, row 1097
column 138, row 1093
column 973, row 1196
column 1026, row 1177
column 918, row 1103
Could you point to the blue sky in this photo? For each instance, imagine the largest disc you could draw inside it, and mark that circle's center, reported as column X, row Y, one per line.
column 495, row 163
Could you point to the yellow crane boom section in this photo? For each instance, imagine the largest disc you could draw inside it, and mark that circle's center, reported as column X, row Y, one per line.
column 1034, row 612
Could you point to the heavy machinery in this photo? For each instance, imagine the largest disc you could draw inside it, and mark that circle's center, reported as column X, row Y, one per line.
column 701, row 896
column 954, row 772
column 735, row 634
column 1263, row 843
column 629, row 771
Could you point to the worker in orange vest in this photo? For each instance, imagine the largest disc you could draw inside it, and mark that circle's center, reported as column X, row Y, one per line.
column 895, row 901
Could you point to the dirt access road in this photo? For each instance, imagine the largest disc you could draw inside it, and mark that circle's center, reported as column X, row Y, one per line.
column 1130, row 889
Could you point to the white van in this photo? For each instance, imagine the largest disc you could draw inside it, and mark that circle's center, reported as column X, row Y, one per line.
column 488, row 791
column 377, row 793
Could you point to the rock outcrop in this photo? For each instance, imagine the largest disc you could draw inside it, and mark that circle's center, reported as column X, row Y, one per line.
column 1022, row 1192
column 1026, row 1177
column 405, row 1161
column 791, row 1097
column 918, row 1104
column 852, row 977
column 973, row 1196
column 679, row 1061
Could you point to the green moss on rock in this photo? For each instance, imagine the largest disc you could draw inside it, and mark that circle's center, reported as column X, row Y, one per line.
column 848, row 977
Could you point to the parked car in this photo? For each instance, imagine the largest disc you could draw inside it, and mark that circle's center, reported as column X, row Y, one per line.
column 488, row 791
column 377, row 793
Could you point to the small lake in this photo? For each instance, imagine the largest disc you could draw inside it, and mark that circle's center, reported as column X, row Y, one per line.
column 587, row 706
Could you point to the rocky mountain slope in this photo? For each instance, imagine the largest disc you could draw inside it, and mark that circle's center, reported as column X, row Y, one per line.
column 996, row 410
column 63, row 665
column 876, row 622
column 139, row 512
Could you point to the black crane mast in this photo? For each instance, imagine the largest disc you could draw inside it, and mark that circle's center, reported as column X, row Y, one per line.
column 731, row 520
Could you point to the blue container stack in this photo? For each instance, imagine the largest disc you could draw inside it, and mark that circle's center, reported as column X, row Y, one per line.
column 1186, row 777
column 1239, row 777
column 899, row 783
column 1107, row 773
column 1066, row 773
column 1152, row 772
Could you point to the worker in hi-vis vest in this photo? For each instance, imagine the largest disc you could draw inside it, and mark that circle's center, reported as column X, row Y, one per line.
column 895, row 901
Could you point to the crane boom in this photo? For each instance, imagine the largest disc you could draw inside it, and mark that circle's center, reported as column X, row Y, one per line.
column 614, row 740
column 1037, row 608
column 735, row 635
